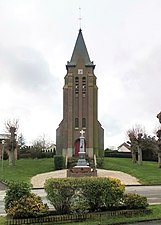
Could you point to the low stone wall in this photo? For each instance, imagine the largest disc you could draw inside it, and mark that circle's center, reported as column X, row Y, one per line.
column 81, row 172
column 75, row 217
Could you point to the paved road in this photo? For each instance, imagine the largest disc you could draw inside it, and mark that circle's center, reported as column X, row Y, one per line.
column 153, row 194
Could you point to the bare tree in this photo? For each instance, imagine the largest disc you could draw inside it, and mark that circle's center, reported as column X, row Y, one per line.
column 12, row 127
column 21, row 141
column 41, row 143
column 135, row 136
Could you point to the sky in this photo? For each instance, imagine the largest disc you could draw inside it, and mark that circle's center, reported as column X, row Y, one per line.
column 123, row 39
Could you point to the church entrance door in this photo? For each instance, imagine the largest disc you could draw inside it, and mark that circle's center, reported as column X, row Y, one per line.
column 77, row 145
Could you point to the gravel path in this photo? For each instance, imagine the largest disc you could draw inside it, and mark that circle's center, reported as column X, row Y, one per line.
column 39, row 180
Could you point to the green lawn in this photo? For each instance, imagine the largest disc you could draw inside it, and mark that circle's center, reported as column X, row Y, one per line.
column 148, row 173
column 26, row 168
column 156, row 214
column 2, row 220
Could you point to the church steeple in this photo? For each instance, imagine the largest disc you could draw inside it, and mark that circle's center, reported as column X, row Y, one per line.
column 80, row 107
column 80, row 52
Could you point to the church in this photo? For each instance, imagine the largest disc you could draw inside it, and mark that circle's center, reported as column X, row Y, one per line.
column 80, row 106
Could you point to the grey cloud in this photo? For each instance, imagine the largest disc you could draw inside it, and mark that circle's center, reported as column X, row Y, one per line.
column 111, row 124
column 26, row 69
column 143, row 83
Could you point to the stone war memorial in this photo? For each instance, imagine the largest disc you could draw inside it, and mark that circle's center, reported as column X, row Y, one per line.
column 80, row 111
column 82, row 168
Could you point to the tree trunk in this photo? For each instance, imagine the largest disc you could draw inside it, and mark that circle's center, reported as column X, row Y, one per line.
column 11, row 155
column 134, row 157
column 140, row 161
column 159, row 159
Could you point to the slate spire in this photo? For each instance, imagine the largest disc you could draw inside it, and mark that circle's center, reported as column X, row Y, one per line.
column 80, row 52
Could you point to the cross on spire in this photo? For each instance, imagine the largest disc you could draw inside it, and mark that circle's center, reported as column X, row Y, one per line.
column 80, row 18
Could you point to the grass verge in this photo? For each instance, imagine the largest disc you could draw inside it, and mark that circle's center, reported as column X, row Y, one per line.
column 148, row 173
column 155, row 215
column 26, row 168
column 2, row 220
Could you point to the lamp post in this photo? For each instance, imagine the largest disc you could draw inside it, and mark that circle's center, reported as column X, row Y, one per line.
column 2, row 153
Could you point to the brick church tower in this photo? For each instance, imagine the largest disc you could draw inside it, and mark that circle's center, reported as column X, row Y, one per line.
column 80, row 107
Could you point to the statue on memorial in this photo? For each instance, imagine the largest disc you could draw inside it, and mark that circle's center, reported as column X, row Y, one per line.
column 81, row 149
column 81, row 160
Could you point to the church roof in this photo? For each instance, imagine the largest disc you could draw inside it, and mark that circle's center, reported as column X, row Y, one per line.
column 80, row 51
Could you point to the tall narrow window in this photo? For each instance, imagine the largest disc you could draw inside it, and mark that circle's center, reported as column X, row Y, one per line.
column 84, row 122
column 76, row 123
column 77, row 85
column 83, row 85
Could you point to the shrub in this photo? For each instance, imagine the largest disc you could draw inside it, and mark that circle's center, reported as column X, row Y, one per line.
column 58, row 162
column 135, row 201
column 5, row 155
column 78, row 203
column 72, row 162
column 93, row 189
column 41, row 155
column 103, row 193
column 27, row 206
column 59, row 192
column 113, row 193
column 15, row 191
column 100, row 162
column 96, row 193
column 19, row 202
column 117, row 154
column 24, row 155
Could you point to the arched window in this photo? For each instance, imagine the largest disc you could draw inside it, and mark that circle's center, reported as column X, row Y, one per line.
column 76, row 85
column 84, row 85
column 76, row 123
column 84, row 122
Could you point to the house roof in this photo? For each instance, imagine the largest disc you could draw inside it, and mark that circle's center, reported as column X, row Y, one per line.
column 4, row 136
column 80, row 51
column 124, row 144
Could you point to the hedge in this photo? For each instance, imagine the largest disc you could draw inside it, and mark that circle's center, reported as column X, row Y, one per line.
column 118, row 154
column 97, row 193
column 59, row 162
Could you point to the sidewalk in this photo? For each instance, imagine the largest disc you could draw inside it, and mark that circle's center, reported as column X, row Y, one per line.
column 2, row 186
column 39, row 180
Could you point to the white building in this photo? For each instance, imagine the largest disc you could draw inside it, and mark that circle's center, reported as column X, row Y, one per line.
column 52, row 148
column 124, row 148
